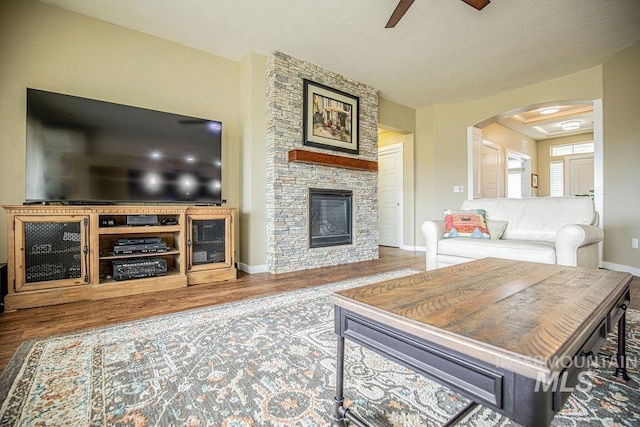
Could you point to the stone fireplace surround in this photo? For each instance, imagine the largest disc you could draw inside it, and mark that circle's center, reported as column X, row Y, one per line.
column 288, row 183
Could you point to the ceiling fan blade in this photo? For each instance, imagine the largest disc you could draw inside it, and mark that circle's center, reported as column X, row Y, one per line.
column 399, row 12
column 478, row 4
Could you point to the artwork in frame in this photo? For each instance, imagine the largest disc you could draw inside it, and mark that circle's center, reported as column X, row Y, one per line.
column 534, row 180
column 330, row 118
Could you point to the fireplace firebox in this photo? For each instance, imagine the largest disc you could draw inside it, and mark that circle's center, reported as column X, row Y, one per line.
column 330, row 217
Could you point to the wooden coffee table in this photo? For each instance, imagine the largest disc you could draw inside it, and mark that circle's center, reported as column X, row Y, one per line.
column 510, row 335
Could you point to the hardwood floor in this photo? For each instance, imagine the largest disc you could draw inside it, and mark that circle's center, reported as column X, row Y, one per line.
column 22, row 325
column 19, row 326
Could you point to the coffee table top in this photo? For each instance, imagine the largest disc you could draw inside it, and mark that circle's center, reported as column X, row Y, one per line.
column 522, row 316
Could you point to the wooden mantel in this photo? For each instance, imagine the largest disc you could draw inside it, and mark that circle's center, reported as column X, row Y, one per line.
column 303, row 156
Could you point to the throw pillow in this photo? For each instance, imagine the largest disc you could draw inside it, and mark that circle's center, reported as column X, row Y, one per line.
column 469, row 223
column 496, row 228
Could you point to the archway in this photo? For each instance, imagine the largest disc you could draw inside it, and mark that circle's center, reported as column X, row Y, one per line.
column 474, row 141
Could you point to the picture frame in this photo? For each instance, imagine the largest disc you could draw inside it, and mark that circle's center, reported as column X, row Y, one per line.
column 534, row 180
column 330, row 118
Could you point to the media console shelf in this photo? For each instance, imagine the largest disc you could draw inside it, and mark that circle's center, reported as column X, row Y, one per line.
column 59, row 254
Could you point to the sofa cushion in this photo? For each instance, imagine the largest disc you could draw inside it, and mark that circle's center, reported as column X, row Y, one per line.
column 510, row 249
column 465, row 223
column 496, row 228
column 536, row 218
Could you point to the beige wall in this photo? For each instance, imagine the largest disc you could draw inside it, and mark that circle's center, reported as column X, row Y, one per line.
column 52, row 49
column 510, row 139
column 425, row 172
column 622, row 157
column 440, row 162
column 544, row 157
column 583, row 85
column 253, row 131
column 394, row 116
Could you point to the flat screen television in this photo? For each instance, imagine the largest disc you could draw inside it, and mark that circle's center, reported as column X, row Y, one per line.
column 85, row 151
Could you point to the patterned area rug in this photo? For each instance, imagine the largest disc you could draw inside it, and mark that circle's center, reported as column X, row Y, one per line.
column 263, row 362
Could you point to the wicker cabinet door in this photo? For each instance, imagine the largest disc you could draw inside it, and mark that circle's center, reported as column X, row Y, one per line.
column 208, row 243
column 51, row 252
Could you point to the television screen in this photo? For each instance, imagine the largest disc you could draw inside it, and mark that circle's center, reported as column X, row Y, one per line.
column 87, row 151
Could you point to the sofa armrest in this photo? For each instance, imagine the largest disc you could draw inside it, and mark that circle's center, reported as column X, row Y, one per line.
column 572, row 237
column 434, row 232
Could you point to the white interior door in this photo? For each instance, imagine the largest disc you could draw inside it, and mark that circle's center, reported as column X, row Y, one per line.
column 578, row 174
column 491, row 170
column 390, row 195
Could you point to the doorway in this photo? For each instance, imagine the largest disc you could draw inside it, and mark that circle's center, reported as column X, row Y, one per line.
column 517, row 175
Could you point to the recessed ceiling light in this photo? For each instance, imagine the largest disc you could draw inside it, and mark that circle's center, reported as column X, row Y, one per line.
column 549, row 110
column 572, row 125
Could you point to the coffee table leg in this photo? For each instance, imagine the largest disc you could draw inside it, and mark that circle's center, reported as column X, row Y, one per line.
column 621, row 370
column 460, row 415
column 341, row 413
column 338, row 417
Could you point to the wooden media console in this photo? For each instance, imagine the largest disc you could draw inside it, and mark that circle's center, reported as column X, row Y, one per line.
column 61, row 253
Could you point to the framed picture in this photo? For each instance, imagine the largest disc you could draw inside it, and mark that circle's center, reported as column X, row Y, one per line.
column 534, row 180
column 330, row 118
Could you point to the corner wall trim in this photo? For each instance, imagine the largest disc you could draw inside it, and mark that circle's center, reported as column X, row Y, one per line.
column 414, row 248
column 252, row 269
column 619, row 267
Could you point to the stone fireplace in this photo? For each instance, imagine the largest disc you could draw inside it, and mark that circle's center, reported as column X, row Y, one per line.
column 330, row 217
column 292, row 241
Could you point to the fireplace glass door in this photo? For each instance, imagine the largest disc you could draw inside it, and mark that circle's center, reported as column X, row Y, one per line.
column 330, row 217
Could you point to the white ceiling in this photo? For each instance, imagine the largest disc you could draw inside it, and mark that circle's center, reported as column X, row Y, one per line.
column 441, row 51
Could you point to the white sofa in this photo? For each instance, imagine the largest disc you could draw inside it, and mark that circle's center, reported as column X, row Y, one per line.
column 552, row 230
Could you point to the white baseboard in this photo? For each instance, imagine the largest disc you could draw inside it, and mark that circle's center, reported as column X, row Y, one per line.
column 252, row 269
column 255, row 269
column 414, row 248
column 618, row 267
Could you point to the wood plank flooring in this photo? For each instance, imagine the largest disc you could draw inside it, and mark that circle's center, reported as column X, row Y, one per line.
column 19, row 326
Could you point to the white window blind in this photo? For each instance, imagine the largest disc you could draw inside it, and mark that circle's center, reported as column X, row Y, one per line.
column 556, row 181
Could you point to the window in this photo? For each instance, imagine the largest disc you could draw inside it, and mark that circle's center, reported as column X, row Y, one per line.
column 556, row 181
column 567, row 150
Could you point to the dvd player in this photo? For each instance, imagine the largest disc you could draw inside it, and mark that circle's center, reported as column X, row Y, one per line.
column 126, row 269
column 139, row 245
column 140, row 249
column 138, row 241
